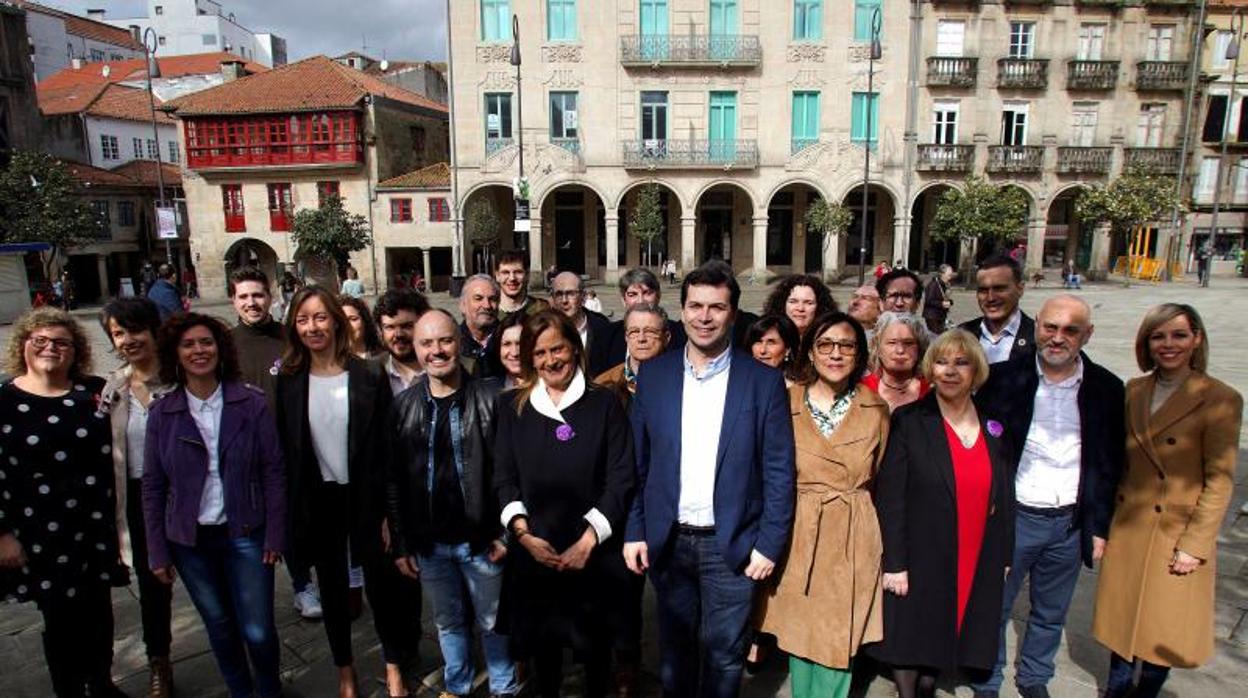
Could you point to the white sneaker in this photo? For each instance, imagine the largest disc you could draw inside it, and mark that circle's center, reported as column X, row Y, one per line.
column 308, row 603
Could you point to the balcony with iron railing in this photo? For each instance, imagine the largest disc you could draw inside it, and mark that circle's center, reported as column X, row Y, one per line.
column 1160, row 160
column 656, row 154
column 1101, row 3
column 1161, row 75
column 1023, row 73
column 1177, row 4
column 1091, row 75
column 939, row 157
column 952, row 71
column 1084, row 160
column 691, row 50
column 1015, row 159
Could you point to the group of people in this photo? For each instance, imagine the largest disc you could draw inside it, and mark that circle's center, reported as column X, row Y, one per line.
column 861, row 488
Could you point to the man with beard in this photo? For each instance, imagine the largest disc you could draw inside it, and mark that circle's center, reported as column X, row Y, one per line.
column 511, row 271
column 258, row 340
column 396, row 313
column 568, row 294
column 1004, row 330
column 478, row 302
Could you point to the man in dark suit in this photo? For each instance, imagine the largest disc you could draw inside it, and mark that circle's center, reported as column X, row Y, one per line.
column 568, row 297
column 640, row 287
column 714, row 505
column 1004, row 331
column 1064, row 425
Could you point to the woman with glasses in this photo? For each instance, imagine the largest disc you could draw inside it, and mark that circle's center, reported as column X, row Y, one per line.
column 945, row 498
column 898, row 342
column 801, row 298
column 826, row 602
column 58, row 533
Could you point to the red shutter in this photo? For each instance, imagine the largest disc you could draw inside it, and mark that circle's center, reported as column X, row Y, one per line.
column 232, row 203
column 280, row 208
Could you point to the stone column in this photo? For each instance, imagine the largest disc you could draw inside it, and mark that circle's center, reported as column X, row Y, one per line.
column 613, row 249
column 759, row 264
column 1035, row 246
column 831, row 246
column 901, row 238
column 101, row 264
column 537, row 271
column 1098, row 265
column 424, row 253
column 688, row 229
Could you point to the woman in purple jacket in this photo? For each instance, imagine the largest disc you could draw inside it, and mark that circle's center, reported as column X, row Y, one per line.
column 214, row 498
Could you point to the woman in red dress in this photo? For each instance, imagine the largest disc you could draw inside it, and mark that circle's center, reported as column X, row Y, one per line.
column 945, row 500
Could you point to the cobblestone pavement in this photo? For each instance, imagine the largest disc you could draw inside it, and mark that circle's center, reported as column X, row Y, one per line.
column 1082, row 663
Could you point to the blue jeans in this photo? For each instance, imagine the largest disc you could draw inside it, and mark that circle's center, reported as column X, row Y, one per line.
column 1046, row 548
column 1121, row 673
column 703, row 609
column 232, row 589
column 447, row 572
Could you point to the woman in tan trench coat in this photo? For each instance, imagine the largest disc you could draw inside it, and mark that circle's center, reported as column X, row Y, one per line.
column 827, row 601
column 1154, row 600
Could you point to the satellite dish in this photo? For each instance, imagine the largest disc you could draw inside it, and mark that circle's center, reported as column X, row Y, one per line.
column 385, row 65
column 105, row 71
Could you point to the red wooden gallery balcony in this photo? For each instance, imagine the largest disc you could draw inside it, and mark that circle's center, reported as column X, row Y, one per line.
column 280, row 140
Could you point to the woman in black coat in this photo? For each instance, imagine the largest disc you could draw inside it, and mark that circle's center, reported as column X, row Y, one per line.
column 332, row 409
column 946, row 487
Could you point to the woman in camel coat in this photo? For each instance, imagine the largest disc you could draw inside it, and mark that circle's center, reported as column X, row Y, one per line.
column 1154, row 600
column 828, row 599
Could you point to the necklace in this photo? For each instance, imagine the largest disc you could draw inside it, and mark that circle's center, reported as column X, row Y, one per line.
column 899, row 388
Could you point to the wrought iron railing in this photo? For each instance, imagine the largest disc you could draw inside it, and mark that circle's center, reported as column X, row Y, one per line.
column 1015, row 158
column 691, row 49
column 1084, row 160
column 937, row 157
column 572, row 145
column 1161, row 75
column 952, row 71
column 1161, row 160
column 1091, row 75
column 493, row 145
column 1023, row 73
column 697, row 153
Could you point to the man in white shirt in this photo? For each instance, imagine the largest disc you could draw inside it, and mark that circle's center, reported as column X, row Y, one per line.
column 1064, row 422
column 1005, row 332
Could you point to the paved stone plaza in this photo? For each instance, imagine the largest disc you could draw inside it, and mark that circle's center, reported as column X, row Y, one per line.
column 1082, row 662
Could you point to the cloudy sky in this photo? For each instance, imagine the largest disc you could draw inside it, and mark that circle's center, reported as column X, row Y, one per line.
column 397, row 29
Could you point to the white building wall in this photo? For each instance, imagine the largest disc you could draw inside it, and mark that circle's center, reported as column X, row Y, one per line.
column 184, row 24
column 126, row 132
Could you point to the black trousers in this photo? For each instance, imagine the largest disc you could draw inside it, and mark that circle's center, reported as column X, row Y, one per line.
column 395, row 599
column 78, row 639
column 155, row 599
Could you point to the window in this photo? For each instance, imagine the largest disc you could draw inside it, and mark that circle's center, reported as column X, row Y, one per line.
column 160, row 40
column 1022, row 39
column 723, row 28
column 210, row 39
column 97, row 55
column 173, row 152
column 1221, row 42
column 281, row 208
column 138, row 147
column 1215, row 119
column 153, row 149
column 418, row 140
column 563, row 117
column 232, row 205
column 807, row 19
column 1207, row 180
column 561, row 20
column 653, row 117
column 125, row 214
column 496, row 20
column 722, row 122
column 439, row 210
column 950, row 38
column 945, row 123
column 108, row 147
column 497, row 119
column 100, row 209
column 401, row 210
column 1091, row 41
column 160, row 10
column 1152, row 122
column 865, row 118
column 805, row 123
column 1241, row 181
column 1014, row 124
column 1160, row 42
column 864, row 10
column 243, row 141
column 324, row 190
column 1083, row 124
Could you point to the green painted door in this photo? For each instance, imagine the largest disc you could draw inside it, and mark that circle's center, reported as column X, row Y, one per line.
column 724, row 29
column 723, row 126
column 654, row 41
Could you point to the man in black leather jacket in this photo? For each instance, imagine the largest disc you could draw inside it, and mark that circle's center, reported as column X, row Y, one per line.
column 443, row 514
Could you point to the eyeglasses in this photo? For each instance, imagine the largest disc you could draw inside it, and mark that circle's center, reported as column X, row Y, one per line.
column 41, row 342
column 565, row 294
column 824, row 347
column 898, row 296
column 647, row 332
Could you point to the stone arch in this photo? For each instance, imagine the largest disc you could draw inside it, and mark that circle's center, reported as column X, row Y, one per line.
column 736, row 183
column 789, row 247
column 477, row 258
column 1065, row 237
column 539, row 201
column 813, row 184
column 573, row 228
column 925, row 253
column 632, row 252
column 726, row 212
column 881, row 218
column 249, row 251
column 628, row 188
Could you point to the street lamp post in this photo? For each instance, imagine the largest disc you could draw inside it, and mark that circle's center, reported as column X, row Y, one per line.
column 150, row 42
column 876, row 52
column 1232, row 52
column 522, row 241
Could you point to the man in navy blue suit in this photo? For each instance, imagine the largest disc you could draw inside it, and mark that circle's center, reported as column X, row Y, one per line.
column 714, row 505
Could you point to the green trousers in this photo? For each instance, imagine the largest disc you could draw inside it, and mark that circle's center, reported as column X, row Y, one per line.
column 810, row 680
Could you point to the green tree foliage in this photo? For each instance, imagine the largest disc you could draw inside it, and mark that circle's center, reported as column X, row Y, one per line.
column 330, row 232
column 646, row 222
column 981, row 212
column 828, row 220
column 1140, row 195
column 41, row 202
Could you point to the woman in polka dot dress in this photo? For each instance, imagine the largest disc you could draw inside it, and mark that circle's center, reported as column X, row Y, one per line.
column 58, row 536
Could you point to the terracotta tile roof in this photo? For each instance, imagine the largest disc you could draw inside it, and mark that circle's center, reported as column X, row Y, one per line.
column 87, row 175
column 86, row 28
column 436, row 176
column 136, row 174
column 73, row 99
column 144, row 173
column 104, row 100
column 313, row 84
column 136, row 69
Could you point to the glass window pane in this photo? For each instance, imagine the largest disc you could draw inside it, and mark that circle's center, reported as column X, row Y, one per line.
column 863, row 11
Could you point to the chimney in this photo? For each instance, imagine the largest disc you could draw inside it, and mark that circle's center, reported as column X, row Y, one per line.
column 97, row 15
column 232, row 70
column 137, row 33
column 76, row 63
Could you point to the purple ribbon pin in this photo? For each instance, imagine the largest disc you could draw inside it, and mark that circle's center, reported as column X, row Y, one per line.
column 564, row 432
column 995, row 428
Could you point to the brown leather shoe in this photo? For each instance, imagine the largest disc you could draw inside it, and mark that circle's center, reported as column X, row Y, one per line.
column 160, row 681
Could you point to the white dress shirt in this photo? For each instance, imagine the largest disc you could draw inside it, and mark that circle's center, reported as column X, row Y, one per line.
column 1048, row 472
column 329, row 410
column 998, row 348
column 207, row 416
column 701, row 418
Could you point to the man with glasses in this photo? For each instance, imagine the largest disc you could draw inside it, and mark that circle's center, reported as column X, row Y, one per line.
column 568, row 295
column 900, row 291
column 1005, row 332
column 640, row 287
column 511, row 271
column 396, row 312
